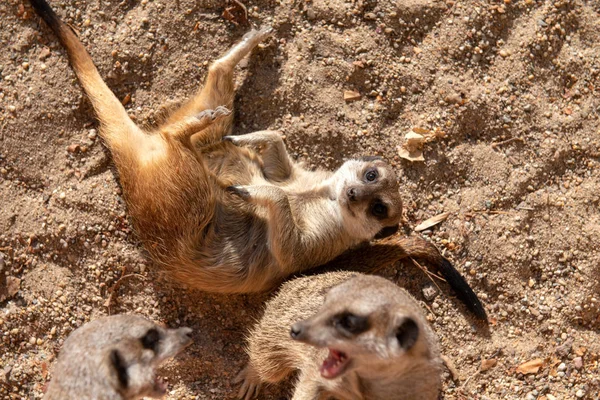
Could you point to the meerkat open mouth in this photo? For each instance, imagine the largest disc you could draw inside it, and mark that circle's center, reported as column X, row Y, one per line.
column 160, row 386
column 334, row 365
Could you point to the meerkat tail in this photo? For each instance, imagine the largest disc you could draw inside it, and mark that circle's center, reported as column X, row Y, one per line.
column 375, row 256
column 110, row 111
column 462, row 288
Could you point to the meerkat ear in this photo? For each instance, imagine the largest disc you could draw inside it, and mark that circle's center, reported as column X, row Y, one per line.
column 117, row 362
column 370, row 158
column 387, row 231
column 407, row 333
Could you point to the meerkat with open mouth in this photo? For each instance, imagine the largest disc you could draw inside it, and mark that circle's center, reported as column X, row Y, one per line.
column 115, row 358
column 352, row 337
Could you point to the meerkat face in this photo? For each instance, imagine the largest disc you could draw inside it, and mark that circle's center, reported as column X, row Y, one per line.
column 132, row 361
column 368, row 194
column 366, row 328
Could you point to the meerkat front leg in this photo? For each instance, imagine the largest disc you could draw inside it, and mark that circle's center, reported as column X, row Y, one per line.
column 285, row 237
column 219, row 88
column 184, row 129
column 277, row 165
column 308, row 389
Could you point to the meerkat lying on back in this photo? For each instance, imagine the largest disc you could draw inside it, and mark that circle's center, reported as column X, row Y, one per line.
column 217, row 215
column 115, row 358
column 352, row 337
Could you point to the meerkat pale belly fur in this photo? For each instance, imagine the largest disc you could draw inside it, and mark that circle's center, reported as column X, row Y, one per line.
column 115, row 358
column 348, row 336
column 216, row 214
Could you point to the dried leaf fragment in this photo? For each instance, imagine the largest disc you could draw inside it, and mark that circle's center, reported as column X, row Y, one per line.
column 351, row 95
column 530, row 367
column 236, row 13
column 487, row 364
column 412, row 148
column 428, row 223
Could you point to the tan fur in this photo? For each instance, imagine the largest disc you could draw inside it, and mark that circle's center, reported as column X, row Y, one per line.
column 232, row 216
column 114, row 358
column 378, row 368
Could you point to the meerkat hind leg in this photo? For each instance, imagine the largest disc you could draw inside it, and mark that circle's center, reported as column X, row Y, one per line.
column 219, row 88
column 277, row 165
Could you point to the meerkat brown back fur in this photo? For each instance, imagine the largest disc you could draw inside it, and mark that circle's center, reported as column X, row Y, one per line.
column 115, row 358
column 352, row 337
column 216, row 214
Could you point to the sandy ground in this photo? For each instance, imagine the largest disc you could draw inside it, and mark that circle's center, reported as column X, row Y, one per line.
column 511, row 88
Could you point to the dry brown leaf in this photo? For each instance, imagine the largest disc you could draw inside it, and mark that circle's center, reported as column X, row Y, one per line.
column 428, row 223
column 421, row 131
column 488, row 364
column 530, row 367
column 410, row 156
column 351, row 95
column 412, row 148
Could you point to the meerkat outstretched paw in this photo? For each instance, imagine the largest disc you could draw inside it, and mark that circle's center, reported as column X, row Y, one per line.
column 261, row 195
column 258, row 138
column 277, row 165
column 251, row 383
column 184, row 129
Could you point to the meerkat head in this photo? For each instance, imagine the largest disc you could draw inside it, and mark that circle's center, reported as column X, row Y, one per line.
column 369, row 326
column 117, row 357
column 368, row 194
column 132, row 361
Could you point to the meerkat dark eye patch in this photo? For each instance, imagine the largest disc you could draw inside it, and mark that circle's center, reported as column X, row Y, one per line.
column 349, row 324
column 379, row 210
column 387, row 231
column 407, row 333
column 150, row 339
column 119, row 365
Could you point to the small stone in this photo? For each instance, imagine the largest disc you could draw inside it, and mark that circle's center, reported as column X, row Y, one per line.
column 92, row 134
column 579, row 394
column 564, row 349
column 578, row 363
column 39, row 342
column 546, row 217
column 504, row 53
column 429, row 292
column 32, row 340
column 45, row 53
column 73, row 148
column 62, row 195
column 53, row 331
column 561, row 367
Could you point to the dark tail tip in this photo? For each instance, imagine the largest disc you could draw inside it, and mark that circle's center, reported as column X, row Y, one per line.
column 43, row 9
column 462, row 289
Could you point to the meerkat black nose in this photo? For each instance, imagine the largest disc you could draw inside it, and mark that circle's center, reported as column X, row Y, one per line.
column 351, row 194
column 296, row 331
